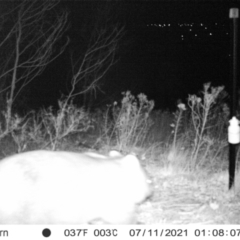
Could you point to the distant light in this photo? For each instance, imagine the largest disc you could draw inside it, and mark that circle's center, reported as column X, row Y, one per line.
column 205, row 27
column 190, row 29
column 195, row 35
column 201, row 24
column 169, row 24
column 227, row 33
column 210, row 33
column 215, row 23
column 182, row 36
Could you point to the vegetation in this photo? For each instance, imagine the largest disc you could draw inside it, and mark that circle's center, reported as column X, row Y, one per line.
column 192, row 137
column 190, row 141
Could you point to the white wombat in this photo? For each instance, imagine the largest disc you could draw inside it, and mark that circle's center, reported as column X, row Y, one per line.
column 46, row 187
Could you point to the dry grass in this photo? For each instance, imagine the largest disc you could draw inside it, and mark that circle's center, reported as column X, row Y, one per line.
column 191, row 198
column 185, row 152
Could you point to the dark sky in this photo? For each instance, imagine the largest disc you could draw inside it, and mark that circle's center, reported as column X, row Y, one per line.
column 168, row 51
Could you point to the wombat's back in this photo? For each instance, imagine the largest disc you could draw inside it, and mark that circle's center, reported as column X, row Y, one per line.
column 46, row 187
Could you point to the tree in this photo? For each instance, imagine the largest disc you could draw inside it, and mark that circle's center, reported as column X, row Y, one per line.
column 101, row 34
column 28, row 36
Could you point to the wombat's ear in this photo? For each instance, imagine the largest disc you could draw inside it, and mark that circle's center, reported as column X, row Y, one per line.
column 114, row 153
column 131, row 161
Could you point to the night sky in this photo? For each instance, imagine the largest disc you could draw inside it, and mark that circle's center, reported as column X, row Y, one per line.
column 170, row 48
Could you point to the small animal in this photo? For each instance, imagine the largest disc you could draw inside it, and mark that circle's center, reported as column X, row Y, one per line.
column 47, row 187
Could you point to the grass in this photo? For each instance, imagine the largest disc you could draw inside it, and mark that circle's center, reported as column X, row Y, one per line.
column 191, row 138
column 185, row 152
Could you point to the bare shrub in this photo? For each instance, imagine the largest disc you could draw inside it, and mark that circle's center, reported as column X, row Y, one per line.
column 130, row 121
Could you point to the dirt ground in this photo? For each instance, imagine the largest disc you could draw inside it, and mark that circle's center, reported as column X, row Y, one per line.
column 191, row 199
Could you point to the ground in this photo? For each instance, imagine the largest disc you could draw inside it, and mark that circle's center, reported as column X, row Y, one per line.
column 191, row 199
